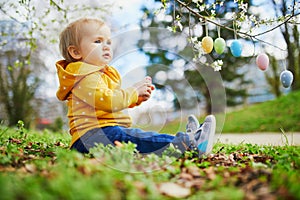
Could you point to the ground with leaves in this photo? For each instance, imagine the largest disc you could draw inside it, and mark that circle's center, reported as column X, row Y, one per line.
column 40, row 166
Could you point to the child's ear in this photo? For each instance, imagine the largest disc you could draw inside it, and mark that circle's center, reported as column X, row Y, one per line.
column 74, row 52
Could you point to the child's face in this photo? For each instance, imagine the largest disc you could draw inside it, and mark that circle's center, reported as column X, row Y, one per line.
column 95, row 46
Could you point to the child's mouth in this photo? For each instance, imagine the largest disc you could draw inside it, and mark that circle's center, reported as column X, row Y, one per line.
column 107, row 55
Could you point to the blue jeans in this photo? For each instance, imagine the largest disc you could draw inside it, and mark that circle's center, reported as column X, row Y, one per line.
column 147, row 142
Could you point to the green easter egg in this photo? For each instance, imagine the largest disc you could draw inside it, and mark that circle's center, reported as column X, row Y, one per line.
column 219, row 45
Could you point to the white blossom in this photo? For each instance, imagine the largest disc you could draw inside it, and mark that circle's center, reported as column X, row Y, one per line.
column 220, row 62
column 202, row 8
column 197, row 1
column 243, row 7
column 169, row 28
column 194, row 39
column 217, row 65
column 217, row 68
column 178, row 23
column 198, row 46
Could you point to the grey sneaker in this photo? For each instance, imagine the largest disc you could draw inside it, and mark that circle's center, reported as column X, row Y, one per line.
column 192, row 126
column 204, row 136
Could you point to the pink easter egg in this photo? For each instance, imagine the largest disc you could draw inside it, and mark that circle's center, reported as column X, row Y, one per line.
column 262, row 61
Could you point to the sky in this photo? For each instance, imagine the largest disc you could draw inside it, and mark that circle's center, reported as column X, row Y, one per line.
column 126, row 14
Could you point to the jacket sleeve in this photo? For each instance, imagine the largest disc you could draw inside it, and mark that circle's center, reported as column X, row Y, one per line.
column 105, row 95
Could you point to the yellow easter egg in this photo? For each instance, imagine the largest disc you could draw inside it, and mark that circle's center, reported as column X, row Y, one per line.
column 207, row 44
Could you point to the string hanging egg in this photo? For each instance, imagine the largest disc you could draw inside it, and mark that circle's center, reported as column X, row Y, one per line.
column 207, row 42
column 219, row 43
column 236, row 46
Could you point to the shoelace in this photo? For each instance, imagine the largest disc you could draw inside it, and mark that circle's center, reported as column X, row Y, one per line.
column 198, row 134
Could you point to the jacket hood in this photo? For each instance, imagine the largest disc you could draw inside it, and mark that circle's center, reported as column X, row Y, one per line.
column 69, row 74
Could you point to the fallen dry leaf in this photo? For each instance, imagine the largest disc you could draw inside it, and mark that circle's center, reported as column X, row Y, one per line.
column 194, row 171
column 174, row 190
column 210, row 172
column 30, row 168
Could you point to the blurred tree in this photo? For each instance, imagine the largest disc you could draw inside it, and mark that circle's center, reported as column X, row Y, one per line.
column 18, row 82
column 57, row 125
column 273, row 77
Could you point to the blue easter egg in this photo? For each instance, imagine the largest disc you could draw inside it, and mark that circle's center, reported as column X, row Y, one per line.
column 236, row 48
column 286, row 78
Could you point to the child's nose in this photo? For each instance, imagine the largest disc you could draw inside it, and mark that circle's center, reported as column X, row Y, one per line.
column 106, row 47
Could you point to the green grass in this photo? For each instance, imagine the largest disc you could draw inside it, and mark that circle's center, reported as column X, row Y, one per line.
column 36, row 165
column 271, row 116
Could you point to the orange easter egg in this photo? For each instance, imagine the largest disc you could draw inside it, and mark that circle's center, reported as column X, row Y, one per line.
column 207, row 44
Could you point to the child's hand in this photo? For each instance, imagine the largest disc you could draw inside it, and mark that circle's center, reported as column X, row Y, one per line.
column 144, row 89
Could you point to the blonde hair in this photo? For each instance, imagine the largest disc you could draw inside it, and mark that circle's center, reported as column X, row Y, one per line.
column 72, row 35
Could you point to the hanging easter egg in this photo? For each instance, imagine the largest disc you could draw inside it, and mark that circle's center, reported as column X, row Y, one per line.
column 286, row 78
column 236, row 48
column 219, row 45
column 262, row 61
column 207, row 44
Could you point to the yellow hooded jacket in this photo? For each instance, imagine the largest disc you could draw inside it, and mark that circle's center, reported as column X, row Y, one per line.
column 94, row 97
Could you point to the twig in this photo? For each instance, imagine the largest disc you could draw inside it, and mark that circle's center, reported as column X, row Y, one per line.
column 285, row 21
column 7, row 14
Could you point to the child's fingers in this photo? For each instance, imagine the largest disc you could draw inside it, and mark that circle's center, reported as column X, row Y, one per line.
column 118, row 144
column 152, row 87
column 148, row 80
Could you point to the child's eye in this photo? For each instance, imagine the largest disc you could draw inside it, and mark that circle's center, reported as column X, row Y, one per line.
column 98, row 41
